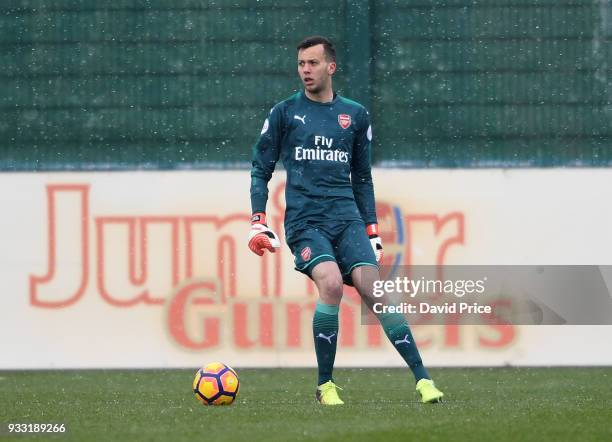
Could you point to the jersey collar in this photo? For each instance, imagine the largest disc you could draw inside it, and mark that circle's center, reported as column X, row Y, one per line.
column 329, row 103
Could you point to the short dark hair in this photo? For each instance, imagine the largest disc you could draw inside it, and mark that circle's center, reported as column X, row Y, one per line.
column 328, row 47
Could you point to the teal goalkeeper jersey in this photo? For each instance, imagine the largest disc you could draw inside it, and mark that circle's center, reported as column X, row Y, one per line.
column 325, row 149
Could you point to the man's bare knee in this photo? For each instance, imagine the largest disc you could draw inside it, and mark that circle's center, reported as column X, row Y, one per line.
column 328, row 280
column 363, row 279
column 330, row 287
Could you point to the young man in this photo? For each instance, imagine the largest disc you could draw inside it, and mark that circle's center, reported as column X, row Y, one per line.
column 324, row 140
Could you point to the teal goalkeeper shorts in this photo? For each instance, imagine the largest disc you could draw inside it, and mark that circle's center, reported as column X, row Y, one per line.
column 347, row 244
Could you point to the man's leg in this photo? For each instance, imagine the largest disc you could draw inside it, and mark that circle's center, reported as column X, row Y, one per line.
column 398, row 331
column 314, row 256
column 395, row 325
column 328, row 280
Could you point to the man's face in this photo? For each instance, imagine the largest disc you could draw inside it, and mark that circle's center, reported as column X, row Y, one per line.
column 314, row 69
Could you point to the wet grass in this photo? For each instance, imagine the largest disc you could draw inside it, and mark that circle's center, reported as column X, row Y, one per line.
column 497, row 404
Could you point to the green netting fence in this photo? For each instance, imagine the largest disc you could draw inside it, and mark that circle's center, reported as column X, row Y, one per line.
column 186, row 84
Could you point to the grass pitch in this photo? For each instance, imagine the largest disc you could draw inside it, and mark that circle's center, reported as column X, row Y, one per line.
column 498, row 404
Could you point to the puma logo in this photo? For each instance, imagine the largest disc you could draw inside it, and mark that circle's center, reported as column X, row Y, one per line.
column 402, row 341
column 327, row 338
column 302, row 119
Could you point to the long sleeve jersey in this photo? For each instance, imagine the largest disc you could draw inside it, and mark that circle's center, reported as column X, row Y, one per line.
column 325, row 149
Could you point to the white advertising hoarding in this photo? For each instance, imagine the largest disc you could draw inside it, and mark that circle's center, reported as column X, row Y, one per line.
column 151, row 269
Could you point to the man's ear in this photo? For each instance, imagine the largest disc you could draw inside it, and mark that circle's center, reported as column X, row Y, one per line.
column 331, row 68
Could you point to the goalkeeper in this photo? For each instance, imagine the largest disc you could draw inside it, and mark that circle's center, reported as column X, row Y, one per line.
column 324, row 140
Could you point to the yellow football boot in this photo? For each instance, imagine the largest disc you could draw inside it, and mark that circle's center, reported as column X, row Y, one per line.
column 428, row 391
column 327, row 394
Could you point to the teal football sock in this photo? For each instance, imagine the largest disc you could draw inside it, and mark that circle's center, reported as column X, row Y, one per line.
column 325, row 331
column 397, row 330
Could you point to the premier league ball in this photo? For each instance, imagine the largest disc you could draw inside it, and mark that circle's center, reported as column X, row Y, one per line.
column 216, row 384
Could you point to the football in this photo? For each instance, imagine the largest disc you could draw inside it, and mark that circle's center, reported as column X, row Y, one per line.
column 216, row 384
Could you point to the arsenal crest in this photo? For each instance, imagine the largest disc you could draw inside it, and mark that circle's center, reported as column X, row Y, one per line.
column 344, row 120
column 305, row 253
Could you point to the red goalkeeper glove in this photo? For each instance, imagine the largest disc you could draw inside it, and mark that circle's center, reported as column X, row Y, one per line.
column 375, row 241
column 261, row 237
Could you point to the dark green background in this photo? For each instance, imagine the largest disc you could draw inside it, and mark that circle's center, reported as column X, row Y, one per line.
column 186, row 84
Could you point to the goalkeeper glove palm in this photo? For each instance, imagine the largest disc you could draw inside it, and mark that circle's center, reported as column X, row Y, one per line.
column 261, row 237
